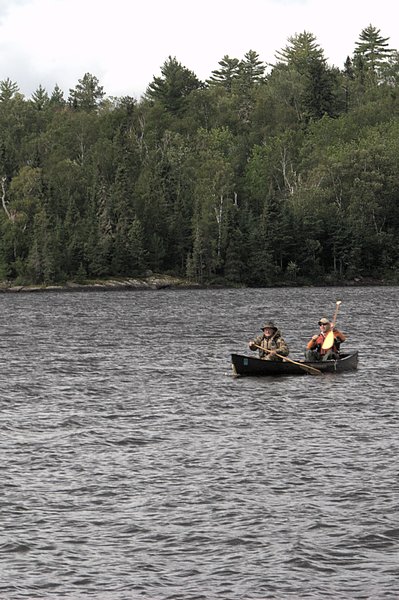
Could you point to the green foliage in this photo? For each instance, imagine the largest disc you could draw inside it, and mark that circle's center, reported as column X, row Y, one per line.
column 173, row 88
column 372, row 53
column 251, row 179
column 250, row 70
column 57, row 97
column 40, row 98
column 87, row 95
column 8, row 89
column 301, row 48
column 227, row 74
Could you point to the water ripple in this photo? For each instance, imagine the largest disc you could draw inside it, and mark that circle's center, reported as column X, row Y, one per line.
column 135, row 466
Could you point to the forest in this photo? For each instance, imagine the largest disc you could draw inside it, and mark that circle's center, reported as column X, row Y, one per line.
column 264, row 174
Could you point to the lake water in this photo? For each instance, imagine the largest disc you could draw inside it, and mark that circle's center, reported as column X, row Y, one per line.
column 134, row 465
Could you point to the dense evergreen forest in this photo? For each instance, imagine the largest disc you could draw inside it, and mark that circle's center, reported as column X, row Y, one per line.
column 263, row 174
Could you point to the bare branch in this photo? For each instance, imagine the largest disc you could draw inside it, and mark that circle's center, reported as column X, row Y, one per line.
column 3, row 198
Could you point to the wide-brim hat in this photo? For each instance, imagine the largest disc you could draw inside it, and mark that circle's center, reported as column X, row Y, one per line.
column 269, row 325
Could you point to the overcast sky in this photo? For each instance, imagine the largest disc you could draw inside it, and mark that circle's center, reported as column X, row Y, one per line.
column 124, row 43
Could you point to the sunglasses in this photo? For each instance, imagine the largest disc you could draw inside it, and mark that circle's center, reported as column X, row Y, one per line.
column 324, row 324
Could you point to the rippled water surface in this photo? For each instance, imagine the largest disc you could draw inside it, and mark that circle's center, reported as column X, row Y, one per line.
column 135, row 466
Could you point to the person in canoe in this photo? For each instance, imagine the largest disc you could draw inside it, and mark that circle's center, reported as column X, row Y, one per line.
column 314, row 348
column 270, row 343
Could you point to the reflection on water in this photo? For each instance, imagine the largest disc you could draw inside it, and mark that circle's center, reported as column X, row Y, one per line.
column 135, row 466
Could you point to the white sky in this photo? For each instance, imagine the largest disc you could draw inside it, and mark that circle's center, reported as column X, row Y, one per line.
column 124, row 43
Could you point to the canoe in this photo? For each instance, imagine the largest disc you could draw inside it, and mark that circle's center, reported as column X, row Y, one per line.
column 249, row 365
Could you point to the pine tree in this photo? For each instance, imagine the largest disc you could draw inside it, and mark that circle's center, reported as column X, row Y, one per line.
column 372, row 53
column 40, row 98
column 57, row 97
column 251, row 69
column 304, row 57
column 8, row 89
column 228, row 73
column 87, row 95
column 173, row 88
column 301, row 48
column 318, row 96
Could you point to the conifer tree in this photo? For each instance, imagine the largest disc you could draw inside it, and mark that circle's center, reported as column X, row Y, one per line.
column 40, row 98
column 373, row 48
column 87, row 94
column 372, row 53
column 317, row 82
column 227, row 74
column 173, row 87
column 251, row 69
column 299, row 50
column 57, row 97
column 8, row 89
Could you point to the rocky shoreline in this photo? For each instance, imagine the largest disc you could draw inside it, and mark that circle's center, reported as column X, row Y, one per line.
column 153, row 282
column 160, row 282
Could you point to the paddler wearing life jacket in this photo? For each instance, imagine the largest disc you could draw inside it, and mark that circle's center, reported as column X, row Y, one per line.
column 270, row 343
column 314, row 350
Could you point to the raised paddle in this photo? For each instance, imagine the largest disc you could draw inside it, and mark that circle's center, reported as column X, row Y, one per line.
column 329, row 339
column 311, row 370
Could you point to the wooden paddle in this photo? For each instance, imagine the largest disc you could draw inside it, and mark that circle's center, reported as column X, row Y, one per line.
column 329, row 339
column 311, row 370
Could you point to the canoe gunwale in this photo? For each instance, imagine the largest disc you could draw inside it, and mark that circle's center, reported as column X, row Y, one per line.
column 249, row 365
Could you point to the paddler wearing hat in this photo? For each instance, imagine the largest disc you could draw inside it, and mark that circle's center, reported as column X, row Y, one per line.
column 314, row 348
column 270, row 343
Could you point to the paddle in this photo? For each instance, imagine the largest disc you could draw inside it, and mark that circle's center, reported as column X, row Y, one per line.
column 329, row 339
column 311, row 370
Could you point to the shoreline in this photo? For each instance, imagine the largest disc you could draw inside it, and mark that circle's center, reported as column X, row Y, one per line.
column 152, row 282
column 162, row 282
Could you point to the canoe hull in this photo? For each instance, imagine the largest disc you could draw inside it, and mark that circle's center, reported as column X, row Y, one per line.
column 249, row 365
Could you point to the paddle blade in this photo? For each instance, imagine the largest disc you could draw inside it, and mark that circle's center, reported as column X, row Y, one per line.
column 328, row 341
column 313, row 371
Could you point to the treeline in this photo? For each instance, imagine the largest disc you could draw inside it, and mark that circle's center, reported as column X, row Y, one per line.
column 260, row 175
